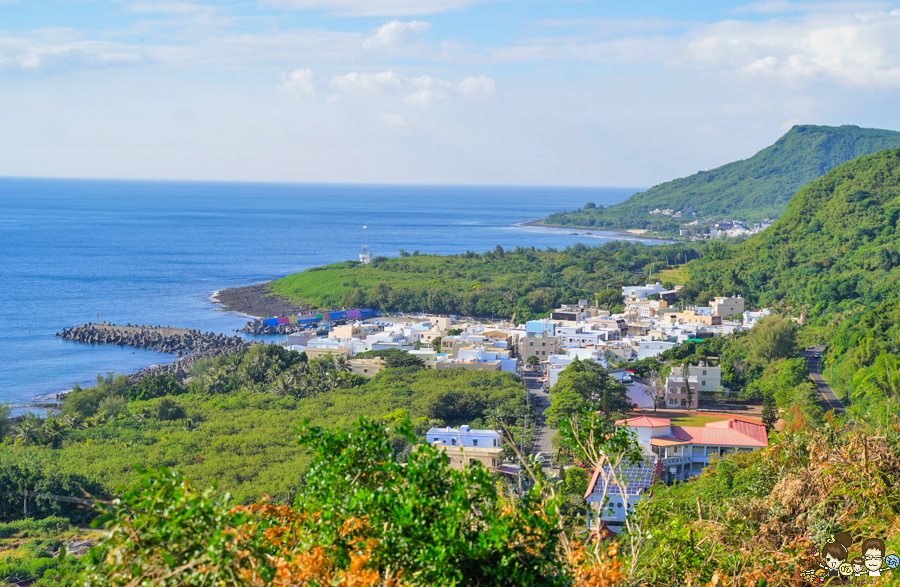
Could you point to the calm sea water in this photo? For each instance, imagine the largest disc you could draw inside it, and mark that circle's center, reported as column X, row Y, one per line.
column 154, row 252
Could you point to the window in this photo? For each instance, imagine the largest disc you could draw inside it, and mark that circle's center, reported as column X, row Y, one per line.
column 453, row 441
column 475, row 442
column 703, row 382
column 704, row 371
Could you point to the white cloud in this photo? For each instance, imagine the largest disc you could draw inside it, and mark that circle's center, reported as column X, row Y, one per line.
column 58, row 49
column 844, row 48
column 299, row 82
column 480, row 87
column 394, row 120
column 374, row 7
column 419, row 91
column 156, row 7
column 396, row 33
column 355, row 82
column 784, row 6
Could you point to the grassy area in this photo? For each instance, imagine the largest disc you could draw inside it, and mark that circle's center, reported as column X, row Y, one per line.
column 695, row 420
column 678, row 275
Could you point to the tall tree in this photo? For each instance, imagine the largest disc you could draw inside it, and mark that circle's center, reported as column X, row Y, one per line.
column 773, row 338
column 592, row 383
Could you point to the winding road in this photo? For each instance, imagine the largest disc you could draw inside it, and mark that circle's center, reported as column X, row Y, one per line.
column 830, row 401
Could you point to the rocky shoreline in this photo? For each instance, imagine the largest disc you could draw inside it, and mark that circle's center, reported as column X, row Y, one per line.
column 257, row 301
column 189, row 345
column 593, row 229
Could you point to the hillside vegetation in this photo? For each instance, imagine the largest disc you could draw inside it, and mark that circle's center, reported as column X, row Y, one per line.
column 232, row 424
column 836, row 254
column 751, row 189
column 521, row 282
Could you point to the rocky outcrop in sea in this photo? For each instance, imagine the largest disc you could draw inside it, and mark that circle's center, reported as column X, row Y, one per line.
column 162, row 339
column 189, row 345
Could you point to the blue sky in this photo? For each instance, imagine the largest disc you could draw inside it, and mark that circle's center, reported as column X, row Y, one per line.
column 437, row 91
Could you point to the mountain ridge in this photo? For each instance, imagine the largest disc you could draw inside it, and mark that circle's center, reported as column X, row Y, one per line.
column 748, row 189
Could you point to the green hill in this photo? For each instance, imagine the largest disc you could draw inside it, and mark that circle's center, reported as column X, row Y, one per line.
column 834, row 253
column 751, row 189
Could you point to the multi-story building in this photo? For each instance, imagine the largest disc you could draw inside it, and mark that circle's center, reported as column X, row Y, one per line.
column 676, row 395
column 693, row 317
column 708, row 378
column 464, row 446
column 727, row 306
column 366, row 367
column 540, row 346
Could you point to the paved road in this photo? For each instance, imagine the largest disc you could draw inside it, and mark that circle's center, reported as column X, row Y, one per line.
column 541, row 440
column 830, row 400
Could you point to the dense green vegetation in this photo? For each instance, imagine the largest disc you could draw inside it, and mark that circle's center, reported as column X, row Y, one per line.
column 752, row 189
column 232, row 423
column 834, row 256
column 522, row 282
column 363, row 518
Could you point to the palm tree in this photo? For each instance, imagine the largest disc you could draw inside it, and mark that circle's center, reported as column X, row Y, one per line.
column 190, row 425
column 342, row 364
column 52, row 431
column 28, row 431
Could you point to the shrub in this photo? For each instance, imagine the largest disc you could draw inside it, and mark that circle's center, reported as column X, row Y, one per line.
column 167, row 409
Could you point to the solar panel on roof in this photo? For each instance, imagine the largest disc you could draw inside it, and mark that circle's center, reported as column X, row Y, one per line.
column 636, row 477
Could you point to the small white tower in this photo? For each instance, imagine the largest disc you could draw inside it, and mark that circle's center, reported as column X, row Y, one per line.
column 365, row 257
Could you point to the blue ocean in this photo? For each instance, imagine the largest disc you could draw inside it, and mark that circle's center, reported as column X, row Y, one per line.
column 154, row 252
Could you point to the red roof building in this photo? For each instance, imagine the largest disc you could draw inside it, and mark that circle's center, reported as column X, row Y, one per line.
column 686, row 450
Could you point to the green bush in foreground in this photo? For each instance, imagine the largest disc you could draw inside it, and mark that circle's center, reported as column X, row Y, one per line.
column 362, row 519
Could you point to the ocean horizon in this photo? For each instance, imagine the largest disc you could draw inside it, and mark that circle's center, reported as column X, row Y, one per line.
column 154, row 252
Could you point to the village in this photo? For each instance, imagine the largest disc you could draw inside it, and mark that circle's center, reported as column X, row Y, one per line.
column 539, row 351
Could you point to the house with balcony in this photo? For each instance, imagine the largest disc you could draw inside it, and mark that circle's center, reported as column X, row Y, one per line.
column 685, row 450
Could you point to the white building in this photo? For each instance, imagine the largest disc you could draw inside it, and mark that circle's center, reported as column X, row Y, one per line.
column 652, row 348
column 464, row 436
column 750, row 318
column 640, row 292
column 708, row 378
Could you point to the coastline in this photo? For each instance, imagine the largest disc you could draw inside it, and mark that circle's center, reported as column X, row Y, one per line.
column 255, row 301
column 627, row 233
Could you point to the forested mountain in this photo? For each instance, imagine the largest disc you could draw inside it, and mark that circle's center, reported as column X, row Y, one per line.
column 834, row 253
column 751, row 189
